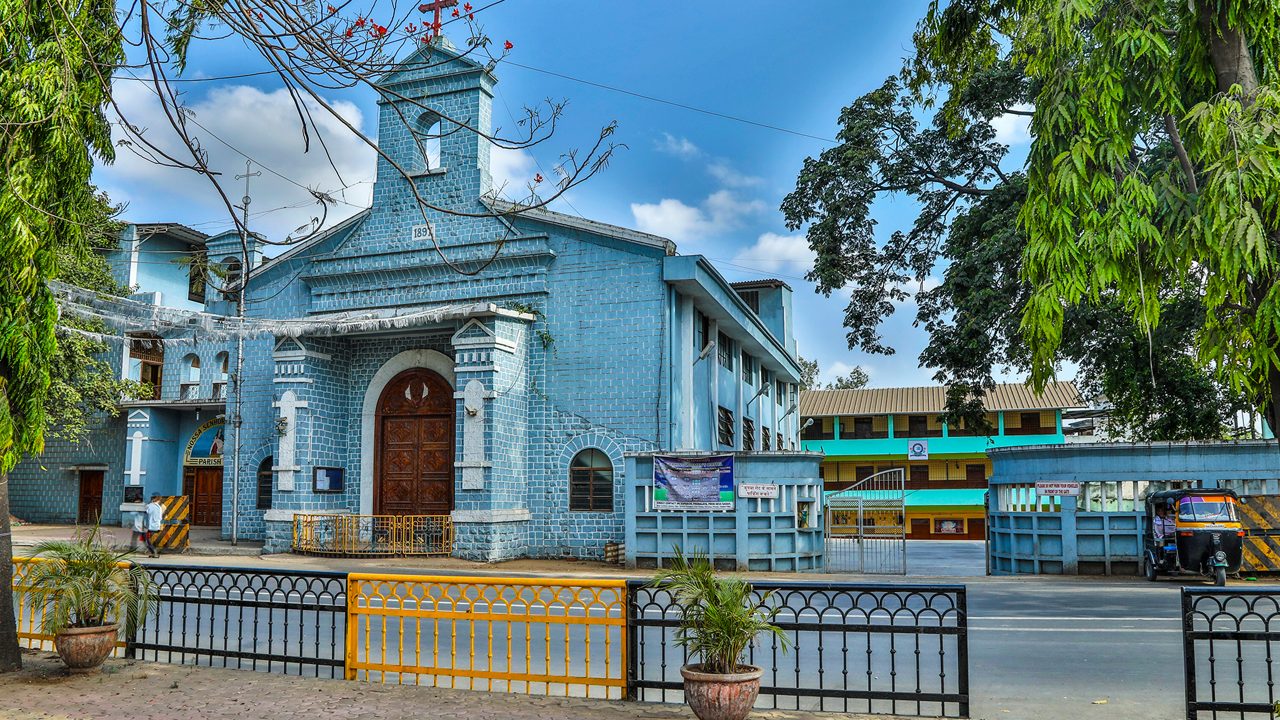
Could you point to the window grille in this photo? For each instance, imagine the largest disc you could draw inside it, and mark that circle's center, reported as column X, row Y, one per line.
column 748, row 434
column 725, row 427
column 265, row 483
column 591, row 482
column 724, row 350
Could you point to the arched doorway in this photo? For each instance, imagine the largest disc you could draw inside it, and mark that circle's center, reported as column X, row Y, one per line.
column 413, row 464
column 202, row 472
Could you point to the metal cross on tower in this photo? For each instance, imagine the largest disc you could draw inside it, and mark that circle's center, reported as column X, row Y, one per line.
column 437, row 6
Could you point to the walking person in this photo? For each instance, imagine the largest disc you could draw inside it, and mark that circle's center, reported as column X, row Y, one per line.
column 155, row 517
column 139, row 532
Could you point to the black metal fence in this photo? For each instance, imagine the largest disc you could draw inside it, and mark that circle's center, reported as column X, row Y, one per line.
column 896, row 649
column 1230, row 638
column 272, row 620
column 878, row 649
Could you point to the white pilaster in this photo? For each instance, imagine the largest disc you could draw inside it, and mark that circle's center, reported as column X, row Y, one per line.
column 287, row 458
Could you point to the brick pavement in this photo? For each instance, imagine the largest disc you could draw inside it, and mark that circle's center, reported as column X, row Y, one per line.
column 130, row 690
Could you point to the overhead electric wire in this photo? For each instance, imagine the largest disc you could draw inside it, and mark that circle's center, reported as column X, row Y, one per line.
column 553, row 73
column 672, row 103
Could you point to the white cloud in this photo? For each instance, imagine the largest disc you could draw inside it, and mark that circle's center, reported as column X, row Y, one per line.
column 263, row 125
column 673, row 219
column 678, row 146
column 1013, row 129
column 512, row 170
column 777, row 253
column 727, row 210
column 730, row 177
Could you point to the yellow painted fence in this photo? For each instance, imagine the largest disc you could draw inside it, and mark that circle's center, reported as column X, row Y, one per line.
column 492, row 634
column 30, row 616
column 342, row 535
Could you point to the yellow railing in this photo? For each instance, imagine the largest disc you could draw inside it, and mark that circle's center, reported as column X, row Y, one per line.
column 30, row 615
column 491, row 634
column 372, row 535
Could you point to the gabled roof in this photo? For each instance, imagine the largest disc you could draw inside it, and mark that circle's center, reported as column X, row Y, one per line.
column 312, row 241
column 178, row 231
column 933, row 399
column 579, row 223
column 438, row 51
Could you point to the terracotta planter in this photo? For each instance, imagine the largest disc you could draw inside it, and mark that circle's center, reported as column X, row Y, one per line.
column 721, row 697
column 84, row 649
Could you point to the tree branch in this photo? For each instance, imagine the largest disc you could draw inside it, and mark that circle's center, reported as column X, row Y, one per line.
column 1171, row 126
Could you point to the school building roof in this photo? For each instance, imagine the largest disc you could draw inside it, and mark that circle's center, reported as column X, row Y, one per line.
column 933, row 399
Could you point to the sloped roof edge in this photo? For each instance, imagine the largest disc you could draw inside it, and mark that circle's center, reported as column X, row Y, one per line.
column 933, row 399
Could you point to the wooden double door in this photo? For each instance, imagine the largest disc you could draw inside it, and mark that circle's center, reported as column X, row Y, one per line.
column 415, row 445
column 204, row 486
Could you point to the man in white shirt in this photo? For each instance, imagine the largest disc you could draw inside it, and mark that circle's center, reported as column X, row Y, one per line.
column 155, row 519
column 1162, row 526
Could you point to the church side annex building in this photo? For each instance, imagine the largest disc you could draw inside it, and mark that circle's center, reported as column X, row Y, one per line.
column 377, row 380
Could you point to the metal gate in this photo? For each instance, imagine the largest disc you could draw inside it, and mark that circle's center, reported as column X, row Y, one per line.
column 866, row 529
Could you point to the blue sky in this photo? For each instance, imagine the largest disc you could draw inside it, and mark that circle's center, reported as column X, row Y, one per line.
column 711, row 184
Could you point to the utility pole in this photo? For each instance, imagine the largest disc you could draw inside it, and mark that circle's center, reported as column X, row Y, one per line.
column 236, row 385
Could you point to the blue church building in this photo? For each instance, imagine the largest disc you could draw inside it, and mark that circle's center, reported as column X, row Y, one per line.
column 374, row 378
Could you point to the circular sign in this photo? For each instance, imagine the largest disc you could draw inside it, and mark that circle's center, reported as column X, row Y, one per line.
column 917, row 448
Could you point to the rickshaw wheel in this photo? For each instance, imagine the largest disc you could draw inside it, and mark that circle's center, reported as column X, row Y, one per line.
column 1149, row 569
column 1220, row 576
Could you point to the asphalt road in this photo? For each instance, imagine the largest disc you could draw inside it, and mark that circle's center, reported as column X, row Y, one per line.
column 1095, row 648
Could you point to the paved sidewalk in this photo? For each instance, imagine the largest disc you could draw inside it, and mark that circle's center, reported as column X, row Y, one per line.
column 128, row 690
column 204, row 541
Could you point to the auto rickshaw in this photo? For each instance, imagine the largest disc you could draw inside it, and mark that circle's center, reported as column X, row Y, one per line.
column 1207, row 536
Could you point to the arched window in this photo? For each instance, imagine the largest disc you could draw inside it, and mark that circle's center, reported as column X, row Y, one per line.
column 426, row 133
column 231, row 278
column 220, row 369
column 265, row 483
column 190, row 378
column 191, row 369
column 591, row 482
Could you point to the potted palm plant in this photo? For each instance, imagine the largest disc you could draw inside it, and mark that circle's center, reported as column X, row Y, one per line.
column 720, row 617
column 84, row 591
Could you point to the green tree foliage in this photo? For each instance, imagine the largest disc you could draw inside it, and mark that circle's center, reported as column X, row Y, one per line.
column 852, row 380
column 1155, row 168
column 53, row 58
column 968, row 230
column 83, row 388
column 808, row 373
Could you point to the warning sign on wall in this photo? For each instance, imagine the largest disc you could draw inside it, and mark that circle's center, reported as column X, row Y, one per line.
column 1057, row 488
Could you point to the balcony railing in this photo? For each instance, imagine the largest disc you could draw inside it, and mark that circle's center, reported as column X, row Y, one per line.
column 926, row 433
column 1050, row 430
column 186, row 393
column 855, row 435
column 342, row 535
